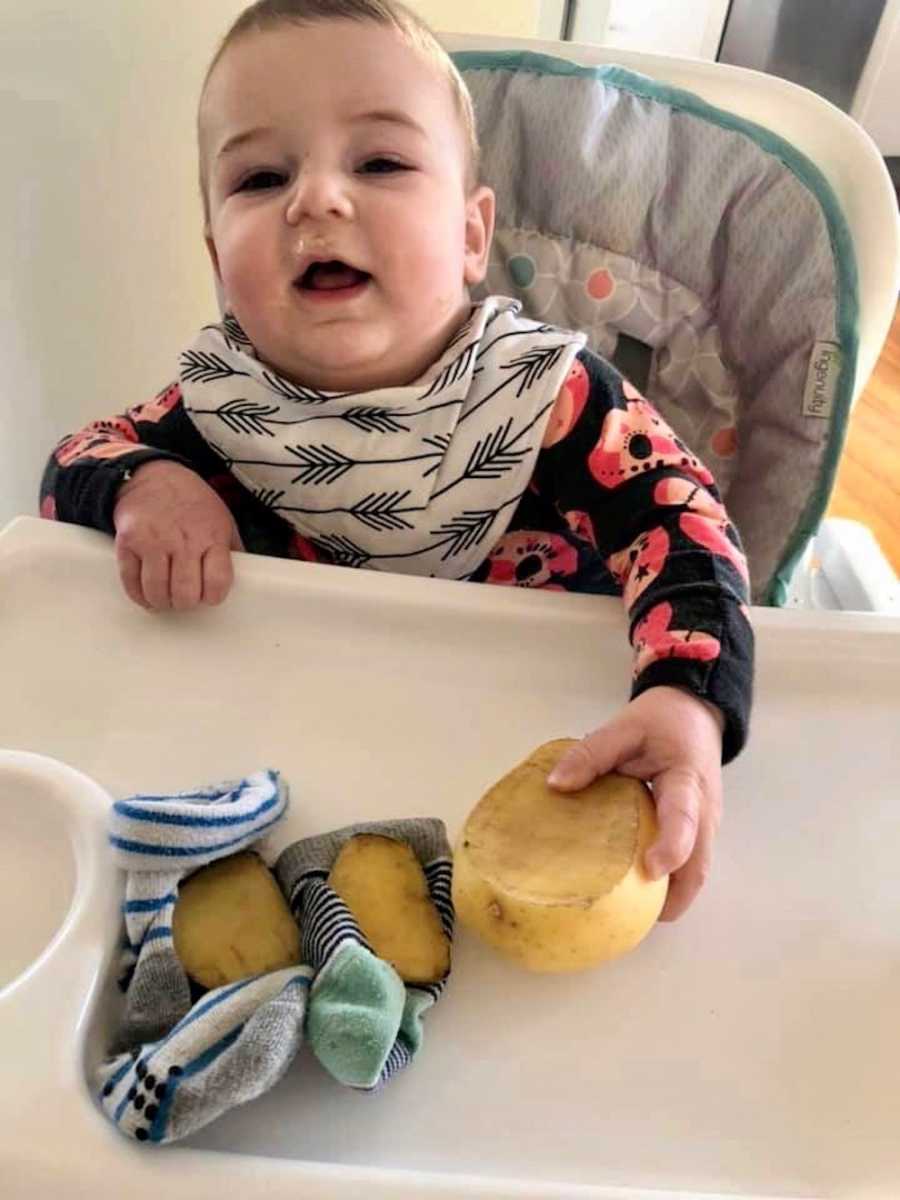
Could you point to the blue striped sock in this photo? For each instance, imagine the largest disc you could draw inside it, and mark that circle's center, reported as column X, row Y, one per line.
column 175, row 1066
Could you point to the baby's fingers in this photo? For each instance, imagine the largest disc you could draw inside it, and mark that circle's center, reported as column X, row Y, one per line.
column 130, row 575
column 218, row 574
column 678, row 805
column 686, row 883
column 596, row 754
column 186, row 580
column 155, row 579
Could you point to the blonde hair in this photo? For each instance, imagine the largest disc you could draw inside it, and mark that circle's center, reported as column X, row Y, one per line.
column 265, row 15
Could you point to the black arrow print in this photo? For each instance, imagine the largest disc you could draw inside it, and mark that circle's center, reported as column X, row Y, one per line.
column 525, row 369
column 465, row 531
column 294, row 391
column 381, row 511
column 244, row 416
column 269, row 497
column 536, row 363
column 320, row 464
column 451, row 372
column 199, row 366
column 235, row 338
column 344, row 552
column 440, row 442
column 492, row 457
column 374, row 420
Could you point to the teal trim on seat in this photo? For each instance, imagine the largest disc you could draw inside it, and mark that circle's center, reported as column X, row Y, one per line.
column 811, row 177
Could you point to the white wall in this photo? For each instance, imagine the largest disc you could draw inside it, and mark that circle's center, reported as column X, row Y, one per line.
column 103, row 274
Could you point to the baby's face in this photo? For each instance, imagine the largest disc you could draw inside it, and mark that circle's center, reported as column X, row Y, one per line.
column 338, row 142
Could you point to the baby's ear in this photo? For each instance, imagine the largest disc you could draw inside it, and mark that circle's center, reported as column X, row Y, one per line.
column 480, row 208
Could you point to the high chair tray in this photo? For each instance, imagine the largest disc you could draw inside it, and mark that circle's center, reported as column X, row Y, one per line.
column 750, row 1049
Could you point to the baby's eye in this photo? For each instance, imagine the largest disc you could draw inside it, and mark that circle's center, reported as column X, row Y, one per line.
column 260, row 181
column 382, row 166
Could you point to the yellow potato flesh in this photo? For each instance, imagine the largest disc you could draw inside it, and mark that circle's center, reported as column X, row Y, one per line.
column 232, row 921
column 382, row 883
column 553, row 880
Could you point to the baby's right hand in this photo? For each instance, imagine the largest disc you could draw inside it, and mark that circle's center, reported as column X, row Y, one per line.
column 174, row 537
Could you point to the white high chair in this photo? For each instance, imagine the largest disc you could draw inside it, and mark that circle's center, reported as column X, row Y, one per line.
column 851, row 571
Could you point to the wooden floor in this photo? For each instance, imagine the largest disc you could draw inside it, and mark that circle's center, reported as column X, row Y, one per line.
column 868, row 482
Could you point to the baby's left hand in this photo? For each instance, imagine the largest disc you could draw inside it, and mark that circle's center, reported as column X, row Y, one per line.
column 673, row 740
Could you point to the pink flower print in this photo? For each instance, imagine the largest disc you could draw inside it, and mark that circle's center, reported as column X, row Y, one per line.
column 582, row 526
column 157, row 408
column 636, row 439
column 681, row 493
column 531, row 560
column 48, row 508
column 569, row 404
column 654, row 640
column 636, row 568
column 712, row 536
column 101, row 439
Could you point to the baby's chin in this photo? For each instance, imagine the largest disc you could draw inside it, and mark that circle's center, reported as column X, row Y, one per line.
column 364, row 377
column 357, row 355
column 351, row 369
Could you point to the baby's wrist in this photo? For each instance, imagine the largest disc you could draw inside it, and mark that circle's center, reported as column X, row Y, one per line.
column 711, row 708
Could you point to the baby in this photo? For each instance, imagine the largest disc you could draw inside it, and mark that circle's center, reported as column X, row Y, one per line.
column 355, row 406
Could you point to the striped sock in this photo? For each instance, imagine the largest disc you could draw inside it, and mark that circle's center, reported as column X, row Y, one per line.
column 177, row 1065
column 363, row 1023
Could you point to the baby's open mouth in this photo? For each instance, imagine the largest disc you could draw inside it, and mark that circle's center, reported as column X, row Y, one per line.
column 330, row 276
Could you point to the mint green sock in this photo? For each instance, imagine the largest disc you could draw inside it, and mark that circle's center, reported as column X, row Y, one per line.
column 356, row 1006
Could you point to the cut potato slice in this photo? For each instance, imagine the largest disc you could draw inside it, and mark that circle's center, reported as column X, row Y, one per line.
column 382, row 883
column 553, row 880
column 232, row 921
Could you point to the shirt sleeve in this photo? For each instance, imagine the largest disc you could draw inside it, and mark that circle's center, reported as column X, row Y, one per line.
column 84, row 473
column 620, row 477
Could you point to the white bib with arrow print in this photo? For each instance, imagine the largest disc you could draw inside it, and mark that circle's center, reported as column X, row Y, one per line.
column 422, row 479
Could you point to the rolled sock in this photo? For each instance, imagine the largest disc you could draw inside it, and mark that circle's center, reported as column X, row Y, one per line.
column 363, row 1023
column 158, row 840
column 200, row 1057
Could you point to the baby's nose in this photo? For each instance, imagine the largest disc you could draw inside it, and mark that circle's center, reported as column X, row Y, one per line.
column 318, row 194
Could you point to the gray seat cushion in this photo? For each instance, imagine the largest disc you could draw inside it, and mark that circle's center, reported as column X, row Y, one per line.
column 654, row 221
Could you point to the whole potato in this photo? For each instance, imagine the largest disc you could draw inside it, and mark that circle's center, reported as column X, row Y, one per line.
column 556, row 881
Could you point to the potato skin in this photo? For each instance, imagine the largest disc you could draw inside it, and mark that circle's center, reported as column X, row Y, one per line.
column 524, row 906
column 382, row 883
column 232, row 921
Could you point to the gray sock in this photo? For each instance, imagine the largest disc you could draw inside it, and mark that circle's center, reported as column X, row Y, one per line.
column 233, row 1045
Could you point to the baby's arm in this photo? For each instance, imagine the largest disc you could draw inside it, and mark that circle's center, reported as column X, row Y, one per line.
column 142, row 477
column 619, row 476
